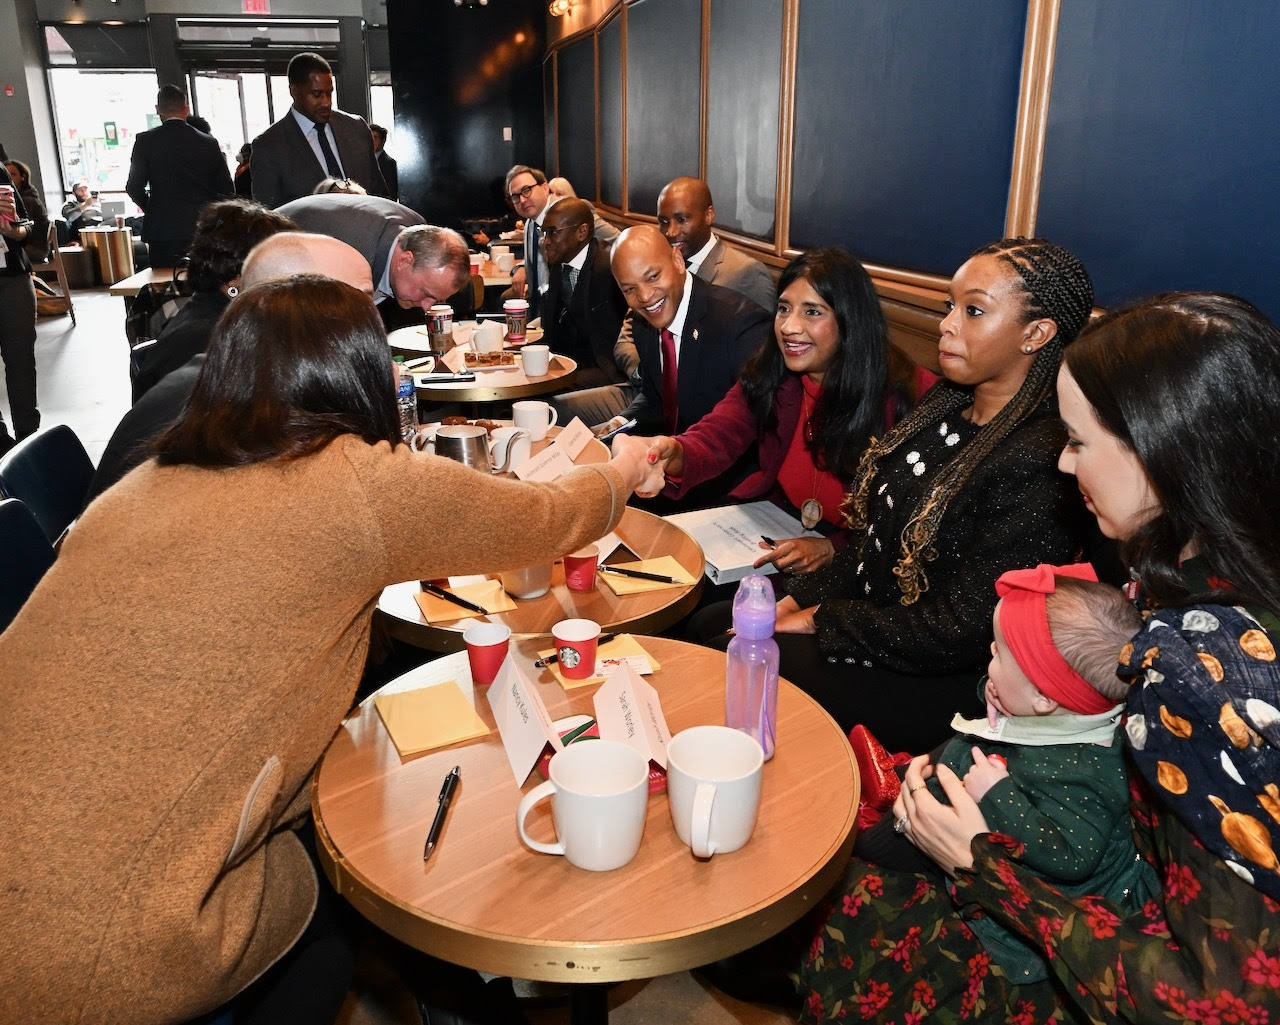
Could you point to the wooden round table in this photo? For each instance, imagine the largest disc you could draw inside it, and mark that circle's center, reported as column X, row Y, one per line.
column 488, row 385
column 645, row 534
column 486, row 901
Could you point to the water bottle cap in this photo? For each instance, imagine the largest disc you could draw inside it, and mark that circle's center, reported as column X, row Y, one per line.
column 755, row 614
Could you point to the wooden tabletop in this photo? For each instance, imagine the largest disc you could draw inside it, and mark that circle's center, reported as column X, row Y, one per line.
column 152, row 277
column 486, row 901
column 645, row 534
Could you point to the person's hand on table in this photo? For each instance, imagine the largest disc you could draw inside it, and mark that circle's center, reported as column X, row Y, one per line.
column 630, row 458
column 481, row 238
column 518, row 283
column 943, row 832
column 797, row 554
column 792, row 619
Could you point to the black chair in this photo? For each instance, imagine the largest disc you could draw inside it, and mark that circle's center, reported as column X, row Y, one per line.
column 26, row 554
column 49, row 471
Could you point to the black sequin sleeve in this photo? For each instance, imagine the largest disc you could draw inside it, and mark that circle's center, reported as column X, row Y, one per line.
column 1017, row 510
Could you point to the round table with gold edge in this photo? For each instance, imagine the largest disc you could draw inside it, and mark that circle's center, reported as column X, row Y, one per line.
column 487, row 902
column 645, row 534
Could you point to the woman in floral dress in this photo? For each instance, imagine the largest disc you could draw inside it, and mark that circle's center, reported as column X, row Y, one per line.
column 1171, row 407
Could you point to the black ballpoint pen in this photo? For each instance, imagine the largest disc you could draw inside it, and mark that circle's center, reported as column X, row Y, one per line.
column 442, row 809
column 440, row 592
column 769, row 541
column 640, row 574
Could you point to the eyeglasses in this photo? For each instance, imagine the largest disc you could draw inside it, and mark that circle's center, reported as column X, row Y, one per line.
column 515, row 197
column 553, row 232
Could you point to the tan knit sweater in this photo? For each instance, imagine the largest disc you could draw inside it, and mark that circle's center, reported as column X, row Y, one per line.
column 171, row 685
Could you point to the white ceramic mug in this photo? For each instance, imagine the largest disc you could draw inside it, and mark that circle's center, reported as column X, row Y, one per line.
column 510, row 447
column 496, row 251
column 533, row 416
column 536, row 360
column 504, row 262
column 488, row 337
column 713, row 788
column 599, row 792
column 530, row 582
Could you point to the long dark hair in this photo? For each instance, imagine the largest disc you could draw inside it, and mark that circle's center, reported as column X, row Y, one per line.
column 1054, row 285
column 851, row 409
column 1190, row 382
column 292, row 365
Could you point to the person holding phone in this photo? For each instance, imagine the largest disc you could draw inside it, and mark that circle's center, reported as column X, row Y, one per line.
column 82, row 210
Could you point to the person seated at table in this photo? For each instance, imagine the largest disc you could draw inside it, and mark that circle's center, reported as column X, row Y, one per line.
column 278, row 256
column 963, row 489
column 190, row 655
column 583, row 307
column 1193, row 509
column 225, row 232
column 82, row 210
column 810, row 404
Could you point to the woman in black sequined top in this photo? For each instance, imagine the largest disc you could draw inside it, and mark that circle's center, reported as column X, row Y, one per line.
column 894, row 633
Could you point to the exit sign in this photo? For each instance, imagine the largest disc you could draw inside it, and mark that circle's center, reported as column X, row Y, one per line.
column 257, row 6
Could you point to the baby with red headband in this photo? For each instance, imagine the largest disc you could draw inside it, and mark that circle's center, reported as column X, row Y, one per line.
column 1045, row 765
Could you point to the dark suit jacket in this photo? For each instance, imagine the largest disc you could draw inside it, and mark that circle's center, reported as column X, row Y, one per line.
column 285, row 167
column 367, row 223
column 390, row 174
column 173, row 172
column 721, row 331
column 732, row 268
column 586, row 325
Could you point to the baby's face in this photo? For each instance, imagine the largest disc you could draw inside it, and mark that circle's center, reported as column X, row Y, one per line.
column 1009, row 692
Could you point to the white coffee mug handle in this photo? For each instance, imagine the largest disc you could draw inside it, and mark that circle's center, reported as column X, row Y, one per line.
column 555, row 417
column 421, row 443
column 539, row 793
column 700, row 828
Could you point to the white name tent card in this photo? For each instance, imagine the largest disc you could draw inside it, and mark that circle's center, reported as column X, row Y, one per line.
column 523, row 722
column 558, row 457
column 628, row 711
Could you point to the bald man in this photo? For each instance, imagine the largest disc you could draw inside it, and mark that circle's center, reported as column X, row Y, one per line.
column 584, row 308
column 685, row 217
column 283, row 254
column 691, row 337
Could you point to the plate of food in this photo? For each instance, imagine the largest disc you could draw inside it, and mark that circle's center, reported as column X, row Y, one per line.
column 489, row 360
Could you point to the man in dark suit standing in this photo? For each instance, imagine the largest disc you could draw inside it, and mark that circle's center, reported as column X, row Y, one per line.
column 386, row 162
column 584, row 307
column 692, row 337
column 174, row 171
column 415, row 264
column 313, row 141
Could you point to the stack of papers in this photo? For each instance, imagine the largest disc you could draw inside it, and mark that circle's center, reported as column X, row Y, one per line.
column 419, row 720
column 730, row 536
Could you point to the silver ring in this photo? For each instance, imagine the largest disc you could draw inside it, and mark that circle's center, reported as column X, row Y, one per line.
column 901, row 825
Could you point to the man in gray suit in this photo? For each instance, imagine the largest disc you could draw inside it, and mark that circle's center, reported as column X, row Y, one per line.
column 416, row 264
column 685, row 216
column 314, row 140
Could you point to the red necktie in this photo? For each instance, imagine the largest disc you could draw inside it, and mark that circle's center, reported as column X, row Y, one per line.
column 669, row 389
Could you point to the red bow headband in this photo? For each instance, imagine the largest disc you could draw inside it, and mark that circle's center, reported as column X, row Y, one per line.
column 1024, row 621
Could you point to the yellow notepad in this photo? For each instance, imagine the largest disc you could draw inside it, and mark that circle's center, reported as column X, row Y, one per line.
column 666, row 566
column 488, row 594
column 619, row 647
column 419, row 720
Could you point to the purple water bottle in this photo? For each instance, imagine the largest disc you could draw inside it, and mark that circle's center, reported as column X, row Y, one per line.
column 751, row 678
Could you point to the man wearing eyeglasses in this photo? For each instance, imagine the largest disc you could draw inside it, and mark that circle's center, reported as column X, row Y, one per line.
column 584, row 306
column 527, row 192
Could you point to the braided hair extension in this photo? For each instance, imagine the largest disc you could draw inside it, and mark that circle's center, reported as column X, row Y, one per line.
column 1056, row 286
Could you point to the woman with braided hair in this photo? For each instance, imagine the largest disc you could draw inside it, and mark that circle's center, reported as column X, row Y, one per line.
column 893, row 634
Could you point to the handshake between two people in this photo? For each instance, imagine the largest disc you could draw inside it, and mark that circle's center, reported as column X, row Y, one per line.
column 663, row 458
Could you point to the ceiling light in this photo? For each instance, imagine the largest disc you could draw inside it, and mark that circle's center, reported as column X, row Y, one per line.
column 559, row 8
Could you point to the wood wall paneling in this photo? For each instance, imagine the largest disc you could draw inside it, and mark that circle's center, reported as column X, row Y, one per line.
column 744, row 78
column 904, row 126
column 1161, row 160
column 611, row 112
column 576, row 110
column 663, row 97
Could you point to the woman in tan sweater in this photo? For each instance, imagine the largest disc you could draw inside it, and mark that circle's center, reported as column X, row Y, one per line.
column 178, row 673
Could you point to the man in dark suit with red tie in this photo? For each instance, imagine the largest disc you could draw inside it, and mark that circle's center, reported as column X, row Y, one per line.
column 692, row 337
column 175, row 170
column 584, row 308
column 314, row 140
